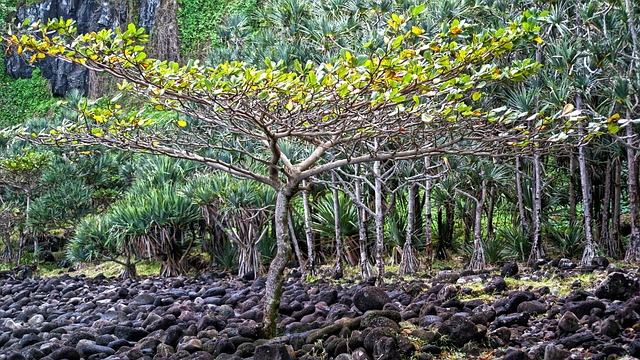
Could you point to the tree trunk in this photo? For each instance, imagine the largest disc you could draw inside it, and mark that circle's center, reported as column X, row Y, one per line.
column 477, row 258
column 605, row 233
column 615, row 248
column 490, row 209
column 366, row 270
column 409, row 262
column 523, row 216
column 336, row 213
column 633, row 249
column 294, row 241
column 129, row 271
column 572, row 189
column 427, row 219
column 536, row 246
column 589, row 249
column 311, row 264
column 275, row 277
column 379, row 218
column 7, row 253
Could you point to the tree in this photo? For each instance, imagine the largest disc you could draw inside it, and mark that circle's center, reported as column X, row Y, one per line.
column 412, row 95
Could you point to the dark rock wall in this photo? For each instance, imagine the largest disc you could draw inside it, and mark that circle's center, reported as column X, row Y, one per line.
column 90, row 15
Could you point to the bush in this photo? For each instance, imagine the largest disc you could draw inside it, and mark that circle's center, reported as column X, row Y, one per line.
column 567, row 239
column 516, row 242
column 21, row 99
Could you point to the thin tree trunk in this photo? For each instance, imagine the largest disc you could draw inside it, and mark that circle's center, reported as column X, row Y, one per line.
column 524, row 224
column 572, row 189
column 589, row 249
column 379, row 218
column 490, row 209
column 275, row 277
column 409, row 262
column 294, row 241
column 336, row 213
column 605, row 233
column 311, row 264
column 427, row 218
column 633, row 249
column 536, row 246
column 615, row 248
column 477, row 261
column 366, row 270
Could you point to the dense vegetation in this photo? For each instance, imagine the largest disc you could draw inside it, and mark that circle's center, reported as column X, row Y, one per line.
column 543, row 164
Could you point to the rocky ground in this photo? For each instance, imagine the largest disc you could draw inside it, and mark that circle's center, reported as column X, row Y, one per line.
column 504, row 314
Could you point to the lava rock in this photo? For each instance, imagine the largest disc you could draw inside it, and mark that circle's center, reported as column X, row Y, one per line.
column 460, row 330
column 370, row 298
column 569, row 322
column 271, row 352
column 552, row 352
column 509, row 269
column 617, row 286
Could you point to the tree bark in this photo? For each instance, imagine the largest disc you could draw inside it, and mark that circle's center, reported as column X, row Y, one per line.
column 536, row 246
column 427, row 218
column 615, row 248
column 589, row 249
column 523, row 215
column 275, row 277
column 379, row 218
column 294, row 241
column 366, row 270
column 311, row 264
column 336, row 214
column 572, row 189
column 633, row 249
column 605, row 227
column 409, row 262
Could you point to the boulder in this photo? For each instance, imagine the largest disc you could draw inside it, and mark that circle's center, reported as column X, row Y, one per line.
column 617, row 286
column 370, row 298
column 459, row 330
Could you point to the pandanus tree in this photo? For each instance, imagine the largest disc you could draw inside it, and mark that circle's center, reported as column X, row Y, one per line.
column 242, row 210
column 408, row 92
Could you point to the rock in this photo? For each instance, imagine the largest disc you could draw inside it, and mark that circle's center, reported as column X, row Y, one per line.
column 551, row 352
column 566, row 264
column 386, row 349
column 30, row 339
column 370, row 298
column 360, row 354
column 190, row 345
column 509, row 269
column 495, row 284
column 582, row 308
column 516, row 355
column 65, row 352
column 600, row 262
column 460, row 330
column 569, row 322
column 87, row 348
column 271, row 352
column 533, row 307
column 576, row 339
column 447, row 292
column 617, row 286
column 508, row 320
column 129, row 334
column 610, row 327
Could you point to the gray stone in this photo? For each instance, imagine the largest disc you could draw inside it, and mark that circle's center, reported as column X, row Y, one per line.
column 370, row 298
column 569, row 322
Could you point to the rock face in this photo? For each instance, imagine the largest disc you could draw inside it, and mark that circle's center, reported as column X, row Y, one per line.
column 90, row 15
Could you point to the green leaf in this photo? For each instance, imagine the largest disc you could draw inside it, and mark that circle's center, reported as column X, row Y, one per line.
column 476, row 96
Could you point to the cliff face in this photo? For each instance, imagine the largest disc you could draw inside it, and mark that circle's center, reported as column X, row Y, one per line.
column 90, row 15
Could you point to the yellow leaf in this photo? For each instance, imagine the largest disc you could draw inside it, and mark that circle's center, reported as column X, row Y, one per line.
column 538, row 40
column 567, row 109
column 476, row 96
column 41, row 56
column 615, row 117
column 417, row 31
column 33, row 58
column 182, row 123
column 19, row 51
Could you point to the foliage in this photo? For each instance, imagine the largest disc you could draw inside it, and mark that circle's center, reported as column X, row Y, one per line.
column 516, row 242
column 568, row 239
column 199, row 19
column 21, row 99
